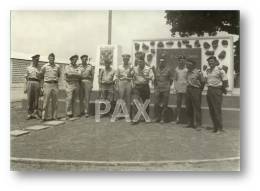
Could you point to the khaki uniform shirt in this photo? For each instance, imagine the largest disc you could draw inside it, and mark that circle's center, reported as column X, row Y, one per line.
column 215, row 77
column 32, row 72
column 72, row 70
column 180, row 78
column 195, row 78
column 107, row 76
column 124, row 73
column 50, row 72
column 86, row 71
column 142, row 76
column 163, row 78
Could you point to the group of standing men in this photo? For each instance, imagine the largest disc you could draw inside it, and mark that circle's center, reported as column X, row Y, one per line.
column 131, row 83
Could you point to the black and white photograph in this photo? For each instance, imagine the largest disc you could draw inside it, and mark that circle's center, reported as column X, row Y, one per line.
column 112, row 90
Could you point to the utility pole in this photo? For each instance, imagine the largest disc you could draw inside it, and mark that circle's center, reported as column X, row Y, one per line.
column 109, row 26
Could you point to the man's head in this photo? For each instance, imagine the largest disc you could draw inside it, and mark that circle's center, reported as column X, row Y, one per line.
column 35, row 59
column 107, row 62
column 181, row 61
column 126, row 58
column 74, row 59
column 84, row 59
column 212, row 61
column 140, row 63
column 162, row 61
column 190, row 64
column 51, row 58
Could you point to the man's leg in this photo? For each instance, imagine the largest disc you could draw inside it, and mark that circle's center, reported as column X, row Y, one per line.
column 178, row 108
column 55, row 92
column 82, row 103
column 29, row 100
column 157, row 109
column 128, row 91
column 217, row 104
column 210, row 98
column 196, row 104
column 165, row 100
column 189, row 108
column 69, row 92
column 46, row 100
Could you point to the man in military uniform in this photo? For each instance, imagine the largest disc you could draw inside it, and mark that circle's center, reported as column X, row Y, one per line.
column 142, row 74
column 195, row 85
column 124, row 79
column 51, row 74
column 86, row 84
column 180, row 84
column 72, row 77
column 217, row 83
column 107, row 78
column 162, row 82
column 32, row 87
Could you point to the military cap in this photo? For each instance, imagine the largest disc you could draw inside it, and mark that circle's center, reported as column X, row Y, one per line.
column 211, row 57
column 51, row 55
column 36, row 56
column 84, row 55
column 74, row 56
column 190, row 61
column 126, row 56
column 180, row 57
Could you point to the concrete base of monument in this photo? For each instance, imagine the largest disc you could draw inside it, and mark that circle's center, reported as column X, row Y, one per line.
column 230, row 109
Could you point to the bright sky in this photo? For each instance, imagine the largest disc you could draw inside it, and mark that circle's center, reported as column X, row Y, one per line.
column 80, row 32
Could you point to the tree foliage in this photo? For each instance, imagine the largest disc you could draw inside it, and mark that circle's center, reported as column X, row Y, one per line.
column 188, row 23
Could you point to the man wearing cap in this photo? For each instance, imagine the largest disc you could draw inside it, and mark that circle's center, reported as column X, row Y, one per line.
column 32, row 87
column 51, row 74
column 124, row 77
column 195, row 85
column 72, row 77
column 142, row 74
column 180, row 84
column 107, row 79
column 86, row 84
column 217, row 83
column 163, row 80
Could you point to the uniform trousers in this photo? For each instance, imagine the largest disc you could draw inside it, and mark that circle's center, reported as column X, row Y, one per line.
column 193, row 105
column 33, row 94
column 161, row 98
column 72, row 92
column 125, row 89
column 214, row 99
column 50, row 93
column 85, row 93
column 140, row 92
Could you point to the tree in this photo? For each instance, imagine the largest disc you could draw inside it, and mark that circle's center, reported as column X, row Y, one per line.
column 187, row 23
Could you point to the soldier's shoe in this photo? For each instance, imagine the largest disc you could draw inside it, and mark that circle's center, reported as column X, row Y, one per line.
column 189, row 126
column 28, row 117
column 215, row 130
column 178, row 121
column 43, row 120
column 86, row 115
column 135, row 122
column 220, row 132
column 156, row 121
column 37, row 116
column 69, row 116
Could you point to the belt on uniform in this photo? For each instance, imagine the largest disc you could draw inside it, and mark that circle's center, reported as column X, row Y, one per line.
column 85, row 78
column 51, row 82
column 189, row 86
column 128, row 80
column 33, row 79
column 215, row 87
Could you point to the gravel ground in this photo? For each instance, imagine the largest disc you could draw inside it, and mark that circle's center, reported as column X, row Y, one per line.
column 84, row 139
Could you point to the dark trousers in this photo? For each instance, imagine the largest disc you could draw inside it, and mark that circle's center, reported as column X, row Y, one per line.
column 193, row 105
column 33, row 94
column 140, row 93
column 160, row 98
column 180, row 98
column 214, row 98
